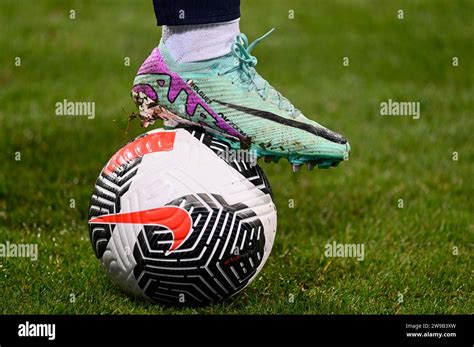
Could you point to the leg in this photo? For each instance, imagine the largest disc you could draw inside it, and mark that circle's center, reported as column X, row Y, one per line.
column 195, row 30
column 190, row 12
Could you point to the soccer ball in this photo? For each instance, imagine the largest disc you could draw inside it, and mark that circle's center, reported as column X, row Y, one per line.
column 176, row 218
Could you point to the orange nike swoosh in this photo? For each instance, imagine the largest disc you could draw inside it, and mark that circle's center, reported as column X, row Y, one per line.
column 176, row 219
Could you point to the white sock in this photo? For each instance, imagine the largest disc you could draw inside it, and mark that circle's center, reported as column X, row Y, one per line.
column 189, row 43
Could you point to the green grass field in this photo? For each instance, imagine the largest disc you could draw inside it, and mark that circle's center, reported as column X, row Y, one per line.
column 418, row 259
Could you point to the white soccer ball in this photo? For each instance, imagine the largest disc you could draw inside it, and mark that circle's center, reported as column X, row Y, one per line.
column 177, row 217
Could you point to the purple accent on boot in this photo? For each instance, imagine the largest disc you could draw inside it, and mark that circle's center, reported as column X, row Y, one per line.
column 147, row 89
column 161, row 83
column 155, row 64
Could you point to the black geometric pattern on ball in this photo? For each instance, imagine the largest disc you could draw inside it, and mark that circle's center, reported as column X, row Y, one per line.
column 106, row 200
column 244, row 166
column 219, row 257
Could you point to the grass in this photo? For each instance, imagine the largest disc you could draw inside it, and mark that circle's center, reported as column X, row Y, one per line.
column 409, row 250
